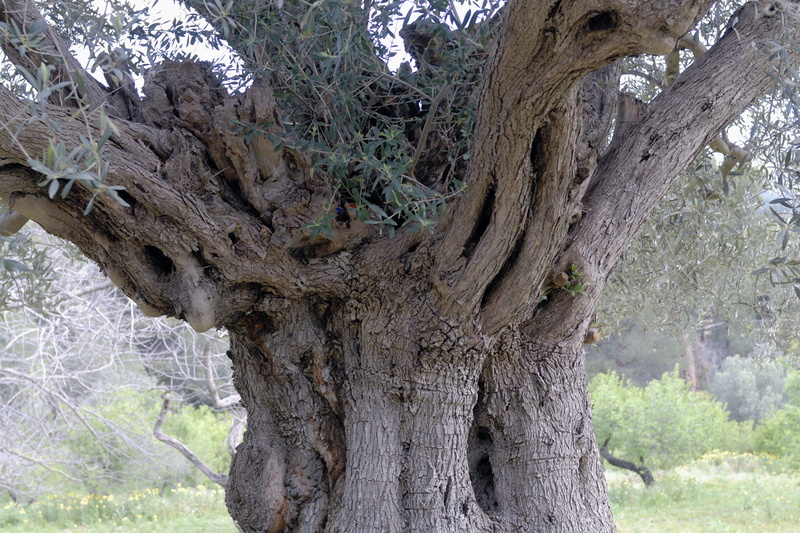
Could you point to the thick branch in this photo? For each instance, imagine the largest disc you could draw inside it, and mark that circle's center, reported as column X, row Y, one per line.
column 198, row 235
column 634, row 174
column 677, row 125
column 220, row 479
column 732, row 154
column 22, row 16
column 642, row 470
column 543, row 49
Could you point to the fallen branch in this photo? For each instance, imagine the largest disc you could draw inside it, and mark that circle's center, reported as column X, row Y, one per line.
column 220, row 479
column 642, row 470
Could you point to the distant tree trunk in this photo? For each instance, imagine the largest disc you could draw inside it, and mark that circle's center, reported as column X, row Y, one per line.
column 705, row 352
column 425, row 382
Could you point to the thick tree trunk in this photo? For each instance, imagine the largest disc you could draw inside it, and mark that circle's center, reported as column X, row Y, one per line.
column 380, row 416
column 536, row 414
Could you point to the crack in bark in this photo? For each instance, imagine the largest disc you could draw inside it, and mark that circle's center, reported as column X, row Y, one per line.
column 479, row 453
column 481, row 222
column 158, row 260
column 507, row 267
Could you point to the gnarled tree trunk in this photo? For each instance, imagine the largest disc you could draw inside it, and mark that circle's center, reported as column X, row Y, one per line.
column 425, row 382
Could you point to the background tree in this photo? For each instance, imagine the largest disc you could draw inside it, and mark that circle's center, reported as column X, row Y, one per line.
column 394, row 378
column 81, row 376
column 714, row 293
column 750, row 392
column 778, row 433
column 662, row 425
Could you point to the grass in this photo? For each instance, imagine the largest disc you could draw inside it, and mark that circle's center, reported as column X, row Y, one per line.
column 181, row 509
column 722, row 492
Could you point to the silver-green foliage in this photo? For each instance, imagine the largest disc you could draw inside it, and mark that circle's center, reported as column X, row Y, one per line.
column 365, row 126
column 25, row 272
column 750, row 390
column 699, row 255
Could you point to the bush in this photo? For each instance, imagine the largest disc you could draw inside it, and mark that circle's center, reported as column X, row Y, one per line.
column 779, row 433
column 663, row 424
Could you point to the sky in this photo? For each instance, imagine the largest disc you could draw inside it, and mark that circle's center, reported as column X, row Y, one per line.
column 167, row 10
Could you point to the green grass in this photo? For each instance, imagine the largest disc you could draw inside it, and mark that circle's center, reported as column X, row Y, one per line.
column 185, row 510
column 723, row 492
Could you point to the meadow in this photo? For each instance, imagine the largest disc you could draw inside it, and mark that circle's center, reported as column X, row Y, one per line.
column 199, row 509
column 721, row 492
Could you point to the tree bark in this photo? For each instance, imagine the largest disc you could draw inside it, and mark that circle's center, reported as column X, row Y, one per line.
column 427, row 382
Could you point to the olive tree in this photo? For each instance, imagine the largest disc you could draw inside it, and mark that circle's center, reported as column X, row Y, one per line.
column 407, row 263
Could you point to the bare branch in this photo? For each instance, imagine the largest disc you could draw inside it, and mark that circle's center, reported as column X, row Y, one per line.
column 220, row 479
column 94, row 288
column 238, row 423
column 213, row 391
column 38, row 462
column 148, row 162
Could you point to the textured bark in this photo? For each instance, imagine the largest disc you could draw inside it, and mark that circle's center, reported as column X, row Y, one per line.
column 427, row 382
column 536, row 413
